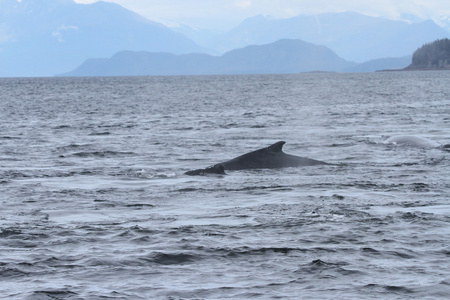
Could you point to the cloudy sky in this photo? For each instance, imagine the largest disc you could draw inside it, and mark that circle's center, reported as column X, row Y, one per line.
column 224, row 14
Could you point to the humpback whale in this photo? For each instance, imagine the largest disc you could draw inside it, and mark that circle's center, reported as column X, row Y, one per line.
column 216, row 169
column 414, row 141
column 271, row 157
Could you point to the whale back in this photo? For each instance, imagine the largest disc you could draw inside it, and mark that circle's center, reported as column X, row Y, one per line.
column 412, row 141
column 215, row 169
column 271, row 157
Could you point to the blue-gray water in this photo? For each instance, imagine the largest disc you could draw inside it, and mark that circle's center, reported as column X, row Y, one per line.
column 94, row 203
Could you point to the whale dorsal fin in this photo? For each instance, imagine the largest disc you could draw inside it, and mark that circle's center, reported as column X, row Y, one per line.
column 277, row 147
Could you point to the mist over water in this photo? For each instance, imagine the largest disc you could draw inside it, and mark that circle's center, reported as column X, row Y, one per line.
column 95, row 204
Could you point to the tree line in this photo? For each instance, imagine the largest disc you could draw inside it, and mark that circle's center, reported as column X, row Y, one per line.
column 435, row 55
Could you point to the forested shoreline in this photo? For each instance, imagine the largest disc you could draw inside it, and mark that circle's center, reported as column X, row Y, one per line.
column 432, row 56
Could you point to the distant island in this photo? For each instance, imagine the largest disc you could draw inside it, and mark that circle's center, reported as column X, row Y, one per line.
column 431, row 56
column 286, row 56
column 282, row 57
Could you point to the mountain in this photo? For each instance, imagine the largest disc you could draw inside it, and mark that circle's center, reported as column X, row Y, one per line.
column 202, row 36
column 392, row 63
column 352, row 36
column 284, row 56
column 43, row 38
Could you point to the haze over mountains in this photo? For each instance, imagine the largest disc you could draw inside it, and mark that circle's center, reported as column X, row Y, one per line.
column 44, row 38
column 281, row 57
column 351, row 35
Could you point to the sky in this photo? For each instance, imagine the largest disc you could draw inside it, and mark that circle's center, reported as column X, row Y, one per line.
column 225, row 14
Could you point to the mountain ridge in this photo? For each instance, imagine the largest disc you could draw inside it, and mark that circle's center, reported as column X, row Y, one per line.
column 43, row 38
column 284, row 56
column 351, row 35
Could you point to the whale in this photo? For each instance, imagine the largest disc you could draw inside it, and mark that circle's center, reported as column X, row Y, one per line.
column 215, row 169
column 415, row 142
column 271, row 157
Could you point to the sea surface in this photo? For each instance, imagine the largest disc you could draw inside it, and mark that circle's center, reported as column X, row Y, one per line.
column 95, row 205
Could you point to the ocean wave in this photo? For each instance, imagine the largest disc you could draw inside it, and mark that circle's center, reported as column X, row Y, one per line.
column 99, row 154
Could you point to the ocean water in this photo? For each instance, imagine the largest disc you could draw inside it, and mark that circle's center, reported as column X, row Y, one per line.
column 95, row 205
